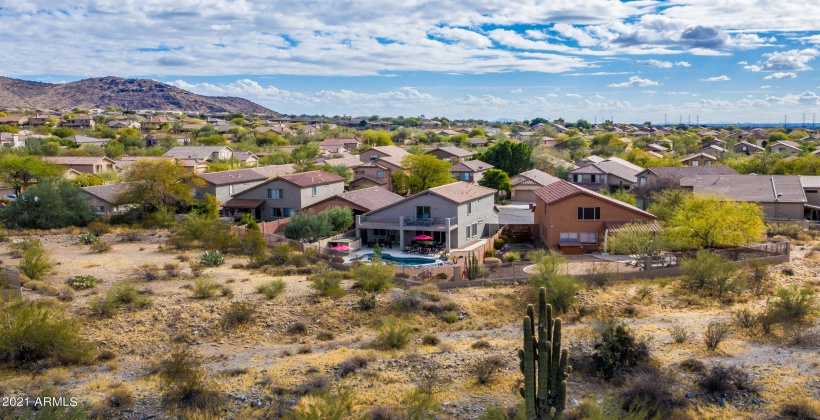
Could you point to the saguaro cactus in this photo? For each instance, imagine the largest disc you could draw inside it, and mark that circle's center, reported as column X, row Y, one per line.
column 544, row 364
column 471, row 267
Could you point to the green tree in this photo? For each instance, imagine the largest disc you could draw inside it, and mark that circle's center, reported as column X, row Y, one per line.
column 709, row 222
column 710, row 273
column 425, row 172
column 155, row 184
column 477, row 132
column 341, row 218
column 638, row 240
column 512, row 158
column 496, row 179
column 20, row 171
column 666, row 203
column 778, row 136
column 277, row 157
column 114, row 150
column 308, row 226
column 341, row 170
column 376, row 138
column 620, row 195
column 304, row 153
column 64, row 132
column 86, row 180
column 50, row 204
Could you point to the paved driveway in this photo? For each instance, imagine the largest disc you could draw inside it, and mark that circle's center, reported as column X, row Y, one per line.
column 515, row 213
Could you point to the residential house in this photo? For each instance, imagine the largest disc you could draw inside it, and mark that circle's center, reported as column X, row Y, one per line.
column 477, row 142
column 455, row 215
column 525, row 184
column 451, row 153
column 42, row 119
column 285, row 195
column 246, row 158
column 14, row 119
column 575, row 220
column 524, row 135
column 611, row 174
column 661, row 178
column 747, row 148
column 378, row 152
column 470, row 170
column 84, row 164
column 360, row 201
column 79, row 121
column 155, row 122
column 351, row 162
column 811, row 188
column 123, row 123
column 370, row 174
column 786, row 146
column 195, row 166
column 11, row 140
column 781, row 197
column 655, row 147
column 91, row 141
column 101, row 198
column 339, row 145
column 589, row 160
column 446, row 133
column 207, row 153
column 427, row 124
column 699, row 159
column 225, row 184
column 714, row 150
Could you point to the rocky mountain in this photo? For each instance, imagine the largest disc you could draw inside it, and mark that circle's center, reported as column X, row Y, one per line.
column 133, row 94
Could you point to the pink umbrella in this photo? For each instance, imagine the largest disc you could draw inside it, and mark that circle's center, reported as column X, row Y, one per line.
column 422, row 238
column 341, row 247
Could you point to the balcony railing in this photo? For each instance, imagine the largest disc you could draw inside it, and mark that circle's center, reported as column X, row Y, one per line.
column 396, row 222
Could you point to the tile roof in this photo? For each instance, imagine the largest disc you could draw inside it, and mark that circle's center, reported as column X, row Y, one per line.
column 535, row 176
column 460, row 192
column 611, row 167
column 107, row 192
column 752, row 188
column 338, row 142
column 788, row 143
column 696, row 155
column 306, row 179
column 372, row 198
column 455, row 151
column 393, row 151
column 810, row 181
column 87, row 139
column 350, row 162
column 75, row 160
column 680, row 172
column 242, row 155
column 243, row 203
column 470, row 166
column 191, row 151
column 233, row 177
column 561, row 190
column 271, row 171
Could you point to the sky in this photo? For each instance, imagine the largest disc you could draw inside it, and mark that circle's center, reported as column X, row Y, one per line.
column 702, row 61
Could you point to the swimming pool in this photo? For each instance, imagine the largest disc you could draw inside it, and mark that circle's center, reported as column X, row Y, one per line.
column 408, row 261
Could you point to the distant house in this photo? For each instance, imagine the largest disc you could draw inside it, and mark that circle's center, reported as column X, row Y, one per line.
column 713, row 149
column 470, row 170
column 811, row 189
column 246, row 158
column 477, row 141
column 91, row 141
column 360, row 201
column 610, row 174
column 525, row 184
column 223, row 185
column 660, row 178
column 78, row 121
column 747, row 148
column 371, row 174
column 451, row 153
column 333, row 145
column 589, row 160
column 207, row 153
column 786, row 146
column 124, row 123
column 378, row 152
column 41, row 119
column 84, row 164
column 11, row 140
column 14, row 119
column 781, row 197
column 101, row 198
column 699, row 159
column 574, row 220
column 284, row 196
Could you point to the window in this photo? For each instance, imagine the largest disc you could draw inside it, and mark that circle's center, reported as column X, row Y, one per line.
column 288, row 212
column 589, row 213
column 102, row 209
column 693, row 163
column 277, row 193
column 475, row 229
column 642, row 181
column 576, row 178
column 374, row 157
column 197, row 194
column 744, row 149
column 465, row 176
column 811, row 191
column 276, row 212
column 593, row 178
column 589, row 237
column 422, row 211
column 380, row 174
column 568, row 237
column 469, row 208
column 313, row 191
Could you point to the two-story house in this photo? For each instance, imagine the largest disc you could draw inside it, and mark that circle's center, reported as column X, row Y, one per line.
column 85, row 164
column 451, row 153
column 206, row 153
column 78, row 121
column 660, row 178
column 780, row 197
column 102, row 198
column 470, row 170
column 223, row 185
column 610, row 174
column 786, row 146
column 454, row 215
column 574, row 220
column 525, row 184
column 285, row 195
column 699, row 159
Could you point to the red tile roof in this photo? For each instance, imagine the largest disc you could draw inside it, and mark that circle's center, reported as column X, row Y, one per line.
column 306, row 179
column 561, row 190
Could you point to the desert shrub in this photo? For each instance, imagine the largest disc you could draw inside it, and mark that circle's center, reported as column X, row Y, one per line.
column 125, row 293
column 385, row 412
column 203, row 232
column 712, row 274
column 489, row 253
column 393, row 334
column 720, row 379
column 653, row 388
column 171, row 270
column 430, row 340
column 744, row 318
column 252, row 243
column 485, row 369
column 239, row 313
column 35, row 263
column 793, row 305
column 327, row 283
column 481, row 345
column 102, row 307
column 313, row 385
column 337, row 259
column 325, row 336
column 162, row 218
column 367, row 301
column 450, row 317
column 88, row 238
column 98, row 228
column 512, row 256
column 148, row 272
column 196, row 268
column 130, row 235
column 492, row 263
column 552, row 274
column 715, row 333
column 598, row 275
column 120, row 396
column 271, row 289
column 351, row 365
column 618, row 350
column 101, row 246
column 298, row 328
column 498, row 243
column 442, row 276
column 758, row 277
column 327, row 405
column 679, row 333
column 308, row 226
column 212, row 258
column 204, row 288
column 692, row 365
column 83, row 282
column 225, row 291
column 420, row 404
column 18, row 247
column 802, row 409
column 183, row 380
column 374, row 277
column 31, row 332
column 644, row 292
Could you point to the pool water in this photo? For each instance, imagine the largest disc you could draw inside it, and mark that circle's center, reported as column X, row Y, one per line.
column 408, row 261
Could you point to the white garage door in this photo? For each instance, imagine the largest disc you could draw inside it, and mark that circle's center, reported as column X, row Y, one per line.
column 523, row 195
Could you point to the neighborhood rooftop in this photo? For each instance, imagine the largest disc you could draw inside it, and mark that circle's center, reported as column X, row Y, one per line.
column 753, row 188
column 306, row 179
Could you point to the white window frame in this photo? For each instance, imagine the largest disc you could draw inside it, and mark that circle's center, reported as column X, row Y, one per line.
column 588, row 237
column 568, row 237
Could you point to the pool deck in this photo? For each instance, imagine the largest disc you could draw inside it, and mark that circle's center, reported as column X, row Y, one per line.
column 359, row 254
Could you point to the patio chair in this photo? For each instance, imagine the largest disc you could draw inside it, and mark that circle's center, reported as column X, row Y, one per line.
column 407, row 249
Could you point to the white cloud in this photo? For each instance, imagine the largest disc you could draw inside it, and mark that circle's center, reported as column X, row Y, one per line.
column 781, row 75
column 516, row 90
column 574, row 95
column 683, row 64
column 721, row 78
column 635, row 81
column 792, row 60
column 655, row 63
column 805, row 98
column 765, row 87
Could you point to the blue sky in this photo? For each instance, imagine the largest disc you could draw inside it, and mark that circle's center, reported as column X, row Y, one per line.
column 634, row 61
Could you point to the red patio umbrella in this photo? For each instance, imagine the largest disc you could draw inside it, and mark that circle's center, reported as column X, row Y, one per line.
column 341, row 247
column 423, row 238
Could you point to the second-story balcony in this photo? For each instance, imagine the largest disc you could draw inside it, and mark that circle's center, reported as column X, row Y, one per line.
column 410, row 223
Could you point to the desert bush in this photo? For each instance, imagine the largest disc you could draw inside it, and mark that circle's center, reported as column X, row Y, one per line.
column 171, row 270
column 183, row 380
column 598, row 275
column 481, row 345
column 489, row 253
column 442, row 276
column 101, row 246
column 485, row 369
column 203, row 232
column 162, row 218
column 271, row 289
column 644, row 292
column 498, row 243
column 492, row 263
column 430, row 340
column 102, row 307
column 204, row 288
column 712, row 274
column 121, row 396
column 298, row 328
column 720, row 379
column 679, row 333
column 552, row 274
column 196, row 268
column 252, row 243
column 239, row 313
column 327, row 405
column 793, row 305
column 367, row 301
column 88, row 238
column 148, row 272
column 802, row 409
column 130, row 235
column 655, row 389
column 212, row 259
column 617, row 351
column 715, row 333
column 325, row 336
column 83, row 282
column 125, row 293
column 758, row 277
column 328, row 283
column 35, row 331
column 337, row 259
column 450, row 317
column 20, row 246
column 393, row 334
column 692, row 365
column 98, row 228
column 308, row 226
column 512, row 256
column 35, row 263
column 744, row 318
column 374, row 277
column 351, row 365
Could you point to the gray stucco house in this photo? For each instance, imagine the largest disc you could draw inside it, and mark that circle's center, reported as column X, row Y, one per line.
column 455, row 215
column 285, row 195
column 223, row 185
